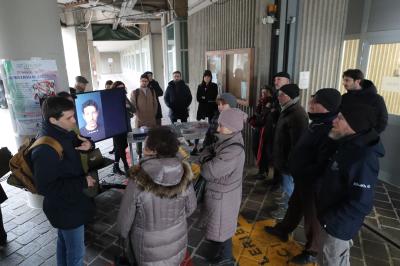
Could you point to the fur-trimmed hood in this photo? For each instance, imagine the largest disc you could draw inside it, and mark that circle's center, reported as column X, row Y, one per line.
column 167, row 177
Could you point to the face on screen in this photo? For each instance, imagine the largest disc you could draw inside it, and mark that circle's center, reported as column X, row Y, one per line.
column 90, row 115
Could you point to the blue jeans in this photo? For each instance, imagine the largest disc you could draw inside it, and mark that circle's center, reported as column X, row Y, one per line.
column 71, row 246
column 287, row 185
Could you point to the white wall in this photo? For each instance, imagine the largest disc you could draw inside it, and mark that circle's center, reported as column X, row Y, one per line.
column 71, row 54
column 110, row 68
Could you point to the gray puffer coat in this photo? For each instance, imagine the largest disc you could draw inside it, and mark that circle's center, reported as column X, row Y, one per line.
column 222, row 167
column 152, row 218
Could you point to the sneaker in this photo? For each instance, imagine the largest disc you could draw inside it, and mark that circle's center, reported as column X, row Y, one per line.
column 194, row 152
column 116, row 170
column 111, row 152
column 279, row 214
column 276, row 232
column 303, row 258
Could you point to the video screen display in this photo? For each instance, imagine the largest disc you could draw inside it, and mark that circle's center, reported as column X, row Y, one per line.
column 101, row 114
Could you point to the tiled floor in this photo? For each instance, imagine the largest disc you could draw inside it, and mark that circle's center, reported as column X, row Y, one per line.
column 32, row 241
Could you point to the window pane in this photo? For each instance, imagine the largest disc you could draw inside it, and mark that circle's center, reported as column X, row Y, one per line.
column 384, row 71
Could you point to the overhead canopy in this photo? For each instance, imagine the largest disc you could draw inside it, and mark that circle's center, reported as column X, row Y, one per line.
column 104, row 32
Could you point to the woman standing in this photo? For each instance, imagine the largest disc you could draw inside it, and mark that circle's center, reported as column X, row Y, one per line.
column 207, row 93
column 157, row 201
column 222, row 167
column 120, row 141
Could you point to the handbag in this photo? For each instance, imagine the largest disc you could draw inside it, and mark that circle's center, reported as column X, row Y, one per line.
column 200, row 188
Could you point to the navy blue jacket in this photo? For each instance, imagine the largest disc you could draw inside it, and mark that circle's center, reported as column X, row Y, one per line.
column 347, row 191
column 178, row 99
column 61, row 182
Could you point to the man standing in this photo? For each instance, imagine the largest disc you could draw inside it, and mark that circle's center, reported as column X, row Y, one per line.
column 153, row 85
column 144, row 101
column 279, row 79
column 291, row 124
column 347, row 190
column 62, row 180
column 363, row 91
column 307, row 163
column 92, row 129
column 178, row 98
column 80, row 86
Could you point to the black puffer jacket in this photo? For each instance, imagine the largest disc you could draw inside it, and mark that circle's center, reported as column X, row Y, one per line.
column 178, row 99
column 311, row 154
column 291, row 124
column 368, row 95
column 158, row 92
column 61, row 182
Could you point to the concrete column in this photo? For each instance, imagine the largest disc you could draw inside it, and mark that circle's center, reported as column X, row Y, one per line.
column 32, row 29
column 84, row 59
column 92, row 57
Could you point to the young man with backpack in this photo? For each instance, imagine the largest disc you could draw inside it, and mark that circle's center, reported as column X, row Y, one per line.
column 61, row 179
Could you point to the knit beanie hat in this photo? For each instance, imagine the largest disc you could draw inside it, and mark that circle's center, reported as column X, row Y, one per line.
column 329, row 98
column 282, row 74
column 291, row 90
column 228, row 98
column 232, row 119
column 360, row 117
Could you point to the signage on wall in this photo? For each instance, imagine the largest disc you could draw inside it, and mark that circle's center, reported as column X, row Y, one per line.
column 28, row 83
column 391, row 84
column 304, row 80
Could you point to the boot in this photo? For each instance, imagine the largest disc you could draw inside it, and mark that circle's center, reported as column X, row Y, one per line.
column 116, row 169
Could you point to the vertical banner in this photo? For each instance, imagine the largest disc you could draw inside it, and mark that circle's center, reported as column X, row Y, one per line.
column 28, row 83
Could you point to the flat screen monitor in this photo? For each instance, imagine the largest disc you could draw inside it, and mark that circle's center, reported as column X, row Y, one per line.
column 101, row 114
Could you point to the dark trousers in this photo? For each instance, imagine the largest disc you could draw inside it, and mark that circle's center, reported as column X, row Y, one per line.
column 158, row 121
column 3, row 234
column 223, row 249
column 303, row 203
column 120, row 144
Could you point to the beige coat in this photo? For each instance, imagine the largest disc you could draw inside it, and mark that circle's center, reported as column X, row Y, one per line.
column 146, row 107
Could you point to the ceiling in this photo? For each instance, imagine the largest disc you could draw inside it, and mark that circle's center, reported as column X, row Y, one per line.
column 112, row 46
column 116, row 12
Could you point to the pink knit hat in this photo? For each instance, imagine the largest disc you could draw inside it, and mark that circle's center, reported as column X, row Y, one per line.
column 232, row 119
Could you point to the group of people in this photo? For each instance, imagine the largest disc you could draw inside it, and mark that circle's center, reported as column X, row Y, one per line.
column 324, row 170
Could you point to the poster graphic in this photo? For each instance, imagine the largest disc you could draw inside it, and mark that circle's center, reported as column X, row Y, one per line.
column 28, row 83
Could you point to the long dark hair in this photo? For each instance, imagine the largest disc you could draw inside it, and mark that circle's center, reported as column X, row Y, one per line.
column 207, row 73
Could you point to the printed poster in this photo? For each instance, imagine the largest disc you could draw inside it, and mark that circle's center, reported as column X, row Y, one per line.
column 28, row 83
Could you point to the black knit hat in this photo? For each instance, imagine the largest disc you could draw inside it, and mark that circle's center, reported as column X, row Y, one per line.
column 360, row 117
column 291, row 90
column 282, row 74
column 329, row 98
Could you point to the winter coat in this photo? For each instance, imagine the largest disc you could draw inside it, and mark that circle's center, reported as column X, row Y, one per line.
column 347, row 191
column 153, row 84
column 61, row 181
column 152, row 217
column 145, row 105
column 290, row 126
column 206, row 96
column 178, row 99
column 222, row 167
column 368, row 95
column 311, row 154
column 5, row 156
